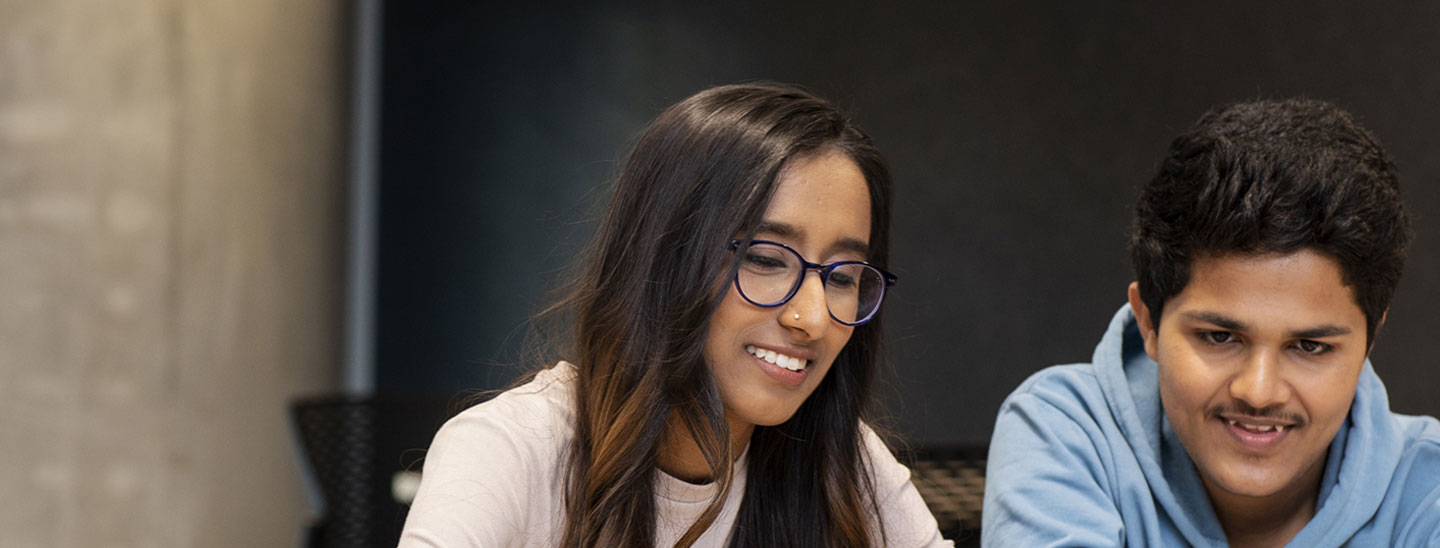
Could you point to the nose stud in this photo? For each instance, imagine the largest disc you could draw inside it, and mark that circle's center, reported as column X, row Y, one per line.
column 797, row 315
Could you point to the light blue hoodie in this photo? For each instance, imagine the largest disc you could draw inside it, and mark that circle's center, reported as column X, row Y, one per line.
column 1083, row 455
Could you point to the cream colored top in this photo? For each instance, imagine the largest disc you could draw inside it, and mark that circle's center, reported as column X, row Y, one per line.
column 492, row 478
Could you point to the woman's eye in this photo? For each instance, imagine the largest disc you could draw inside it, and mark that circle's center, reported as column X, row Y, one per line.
column 1217, row 338
column 1312, row 347
column 764, row 262
column 840, row 280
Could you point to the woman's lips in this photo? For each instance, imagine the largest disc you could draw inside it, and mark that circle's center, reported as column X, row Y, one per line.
column 782, row 367
column 783, row 360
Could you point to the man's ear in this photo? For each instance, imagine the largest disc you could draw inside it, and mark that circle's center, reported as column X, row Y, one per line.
column 1142, row 317
column 1376, row 333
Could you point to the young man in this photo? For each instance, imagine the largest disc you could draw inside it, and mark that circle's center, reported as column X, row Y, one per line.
column 1231, row 401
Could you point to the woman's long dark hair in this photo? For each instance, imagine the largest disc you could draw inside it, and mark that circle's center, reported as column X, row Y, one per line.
column 639, row 308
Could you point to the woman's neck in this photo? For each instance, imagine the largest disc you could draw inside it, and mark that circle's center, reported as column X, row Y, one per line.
column 680, row 455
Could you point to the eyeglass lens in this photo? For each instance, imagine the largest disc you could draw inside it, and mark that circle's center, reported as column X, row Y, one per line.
column 769, row 273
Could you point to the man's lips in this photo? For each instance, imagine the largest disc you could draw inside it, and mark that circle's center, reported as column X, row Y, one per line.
column 1258, row 424
column 1257, row 433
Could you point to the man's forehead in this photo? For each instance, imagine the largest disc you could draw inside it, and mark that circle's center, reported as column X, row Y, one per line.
column 1300, row 292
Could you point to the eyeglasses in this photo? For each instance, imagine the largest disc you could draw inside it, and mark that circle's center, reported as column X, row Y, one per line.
column 771, row 273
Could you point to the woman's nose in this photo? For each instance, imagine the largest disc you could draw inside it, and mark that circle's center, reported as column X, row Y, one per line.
column 806, row 312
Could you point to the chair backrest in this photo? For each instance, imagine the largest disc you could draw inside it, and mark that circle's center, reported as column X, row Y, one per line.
column 951, row 479
column 354, row 447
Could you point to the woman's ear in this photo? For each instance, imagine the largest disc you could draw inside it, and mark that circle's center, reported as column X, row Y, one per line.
column 1143, row 319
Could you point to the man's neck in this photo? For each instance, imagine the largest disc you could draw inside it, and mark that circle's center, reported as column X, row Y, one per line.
column 1271, row 520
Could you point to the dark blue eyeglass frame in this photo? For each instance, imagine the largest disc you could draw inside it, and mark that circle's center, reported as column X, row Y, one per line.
column 823, row 269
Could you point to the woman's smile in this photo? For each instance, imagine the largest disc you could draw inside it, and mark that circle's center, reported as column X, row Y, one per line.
column 767, row 360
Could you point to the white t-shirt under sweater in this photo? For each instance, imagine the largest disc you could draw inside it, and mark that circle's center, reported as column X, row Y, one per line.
column 492, row 478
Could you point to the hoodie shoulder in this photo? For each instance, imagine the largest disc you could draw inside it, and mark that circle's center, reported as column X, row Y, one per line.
column 1417, row 481
column 1051, row 478
column 1071, row 389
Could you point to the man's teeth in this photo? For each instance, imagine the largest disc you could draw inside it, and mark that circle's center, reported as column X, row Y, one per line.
column 1259, row 428
column 788, row 362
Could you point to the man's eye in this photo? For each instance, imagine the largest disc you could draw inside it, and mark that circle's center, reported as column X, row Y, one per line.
column 1217, row 338
column 1312, row 348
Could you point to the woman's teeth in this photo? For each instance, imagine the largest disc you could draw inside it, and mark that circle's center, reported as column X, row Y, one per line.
column 788, row 362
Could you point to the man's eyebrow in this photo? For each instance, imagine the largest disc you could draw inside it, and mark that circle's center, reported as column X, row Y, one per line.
column 1221, row 320
column 1226, row 322
column 1320, row 332
column 786, row 230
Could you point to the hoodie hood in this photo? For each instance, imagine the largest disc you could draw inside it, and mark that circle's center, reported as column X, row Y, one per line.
column 1363, row 455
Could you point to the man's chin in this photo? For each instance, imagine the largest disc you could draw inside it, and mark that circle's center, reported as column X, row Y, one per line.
column 1248, row 480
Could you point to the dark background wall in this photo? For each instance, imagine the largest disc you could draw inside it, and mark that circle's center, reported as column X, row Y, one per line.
column 1018, row 136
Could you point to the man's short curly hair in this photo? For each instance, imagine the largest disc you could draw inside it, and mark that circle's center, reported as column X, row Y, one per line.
column 1273, row 177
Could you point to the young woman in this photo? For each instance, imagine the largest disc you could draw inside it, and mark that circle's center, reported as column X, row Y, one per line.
column 722, row 340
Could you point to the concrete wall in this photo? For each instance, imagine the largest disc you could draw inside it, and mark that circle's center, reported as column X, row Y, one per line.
column 171, row 182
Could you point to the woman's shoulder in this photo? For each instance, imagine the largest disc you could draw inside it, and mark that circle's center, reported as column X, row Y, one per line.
column 906, row 518
column 493, row 471
column 887, row 473
column 550, row 392
column 887, row 470
column 541, row 410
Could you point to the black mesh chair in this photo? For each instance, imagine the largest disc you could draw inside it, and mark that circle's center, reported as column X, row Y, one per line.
column 354, row 448
column 951, row 479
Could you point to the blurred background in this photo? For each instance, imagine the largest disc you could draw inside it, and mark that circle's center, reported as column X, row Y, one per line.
column 212, row 210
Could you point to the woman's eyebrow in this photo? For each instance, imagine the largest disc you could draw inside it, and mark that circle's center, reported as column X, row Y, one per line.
column 852, row 244
column 778, row 229
column 786, row 230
